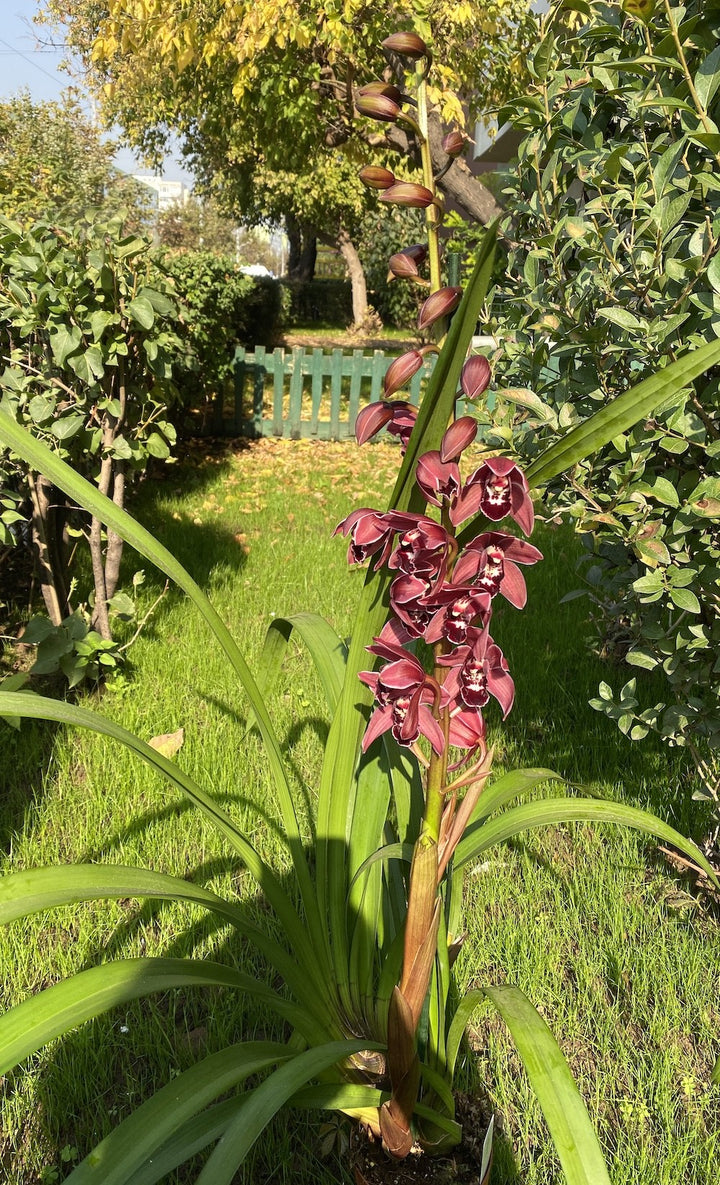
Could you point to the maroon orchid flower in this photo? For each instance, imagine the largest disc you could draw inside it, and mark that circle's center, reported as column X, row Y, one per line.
column 369, row 533
column 396, row 415
column 403, row 692
column 422, row 551
column 477, row 670
column 497, row 488
column 455, row 620
column 491, row 560
column 467, row 729
column 438, row 480
column 411, row 600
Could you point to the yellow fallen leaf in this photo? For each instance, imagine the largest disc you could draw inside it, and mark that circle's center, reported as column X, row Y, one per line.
column 168, row 743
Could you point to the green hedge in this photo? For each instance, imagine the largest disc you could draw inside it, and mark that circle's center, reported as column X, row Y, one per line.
column 319, row 301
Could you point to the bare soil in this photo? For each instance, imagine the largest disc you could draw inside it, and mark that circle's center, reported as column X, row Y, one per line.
column 373, row 1166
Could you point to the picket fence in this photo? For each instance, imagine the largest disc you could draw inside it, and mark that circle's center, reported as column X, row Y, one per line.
column 303, row 394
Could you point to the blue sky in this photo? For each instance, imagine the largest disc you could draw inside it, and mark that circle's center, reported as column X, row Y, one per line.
column 28, row 61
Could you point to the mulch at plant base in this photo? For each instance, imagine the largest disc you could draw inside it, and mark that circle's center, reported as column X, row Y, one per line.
column 372, row 1166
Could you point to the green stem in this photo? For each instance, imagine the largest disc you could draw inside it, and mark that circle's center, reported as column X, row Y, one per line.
column 433, row 216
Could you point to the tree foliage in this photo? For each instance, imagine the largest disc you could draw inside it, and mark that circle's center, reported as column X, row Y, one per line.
column 614, row 269
column 55, row 165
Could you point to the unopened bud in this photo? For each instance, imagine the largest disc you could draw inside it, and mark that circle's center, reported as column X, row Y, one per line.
column 402, row 266
column 408, row 44
column 475, row 376
column 453, row 144
column 438, row 305
column 378, row 107
column 382, row 88
column 401, row 370
column 375, row 177
column 457, row 438
column 407, row 193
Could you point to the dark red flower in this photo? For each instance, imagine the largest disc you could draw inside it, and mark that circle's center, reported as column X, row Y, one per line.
column 369, row 533
column 491, row 560
column 437, row 480
column 411, row 600
column 461, row 608
column 403, row 692
column 422, row 551
column 497, row 488
column 477, row 670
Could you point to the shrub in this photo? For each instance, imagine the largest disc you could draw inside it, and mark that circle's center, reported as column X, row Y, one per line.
column 321, row 300
column 223, row 308
column 613, row 269
column 88, row 341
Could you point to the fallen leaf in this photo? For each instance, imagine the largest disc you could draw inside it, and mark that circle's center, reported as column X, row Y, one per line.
column 168, row 743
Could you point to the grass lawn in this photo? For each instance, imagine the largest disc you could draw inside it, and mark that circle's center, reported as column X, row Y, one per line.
column 621, row 956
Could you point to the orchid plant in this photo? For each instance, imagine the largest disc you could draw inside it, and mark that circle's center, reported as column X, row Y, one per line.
column 407, row 799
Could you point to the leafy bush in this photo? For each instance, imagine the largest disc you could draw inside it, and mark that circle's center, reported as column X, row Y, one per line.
column 320, row 300
column 384, row 232
column 613, row 268
column 88, row 341
column 223, row 308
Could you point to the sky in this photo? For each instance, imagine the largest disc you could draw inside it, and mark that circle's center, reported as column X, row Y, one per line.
column 28, row 61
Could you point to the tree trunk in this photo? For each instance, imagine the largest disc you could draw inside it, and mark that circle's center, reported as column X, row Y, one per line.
column 52, row 582
column 302, row 254
column 354, row 266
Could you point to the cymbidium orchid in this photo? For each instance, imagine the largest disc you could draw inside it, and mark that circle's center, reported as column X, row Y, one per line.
column 406, row 800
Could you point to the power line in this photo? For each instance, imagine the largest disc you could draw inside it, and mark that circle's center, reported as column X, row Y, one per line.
column 29, row 61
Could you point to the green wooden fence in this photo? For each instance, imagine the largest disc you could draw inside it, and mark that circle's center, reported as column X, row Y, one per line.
column 303, row 393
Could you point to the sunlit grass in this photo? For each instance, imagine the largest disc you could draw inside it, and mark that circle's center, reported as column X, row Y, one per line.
column 623, row 960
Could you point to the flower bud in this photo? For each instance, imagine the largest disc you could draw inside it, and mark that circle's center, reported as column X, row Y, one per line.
column 378, row 107
column 408, row 44
column 457, row 438
column 375, row 177
column 475, row 376
column 453, row 144
column 382, row 88
column 407, row 193
column 401, row 370
column 438, row 305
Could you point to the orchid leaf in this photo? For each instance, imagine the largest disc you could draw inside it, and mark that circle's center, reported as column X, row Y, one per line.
column 509, row 786
column 28, row 892
column 326, row 649
column 130, row 1145
column 622, row 413
column 572, row 1133
column 481, row 836
column 266, row 1100
column 470, row 1001
column 30, row 1025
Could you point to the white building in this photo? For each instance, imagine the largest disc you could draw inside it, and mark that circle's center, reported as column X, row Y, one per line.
column 168, row 192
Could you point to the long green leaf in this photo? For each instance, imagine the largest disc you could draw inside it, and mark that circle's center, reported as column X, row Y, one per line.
column 41, row 708
column 194, row 1135
column 343, row 745
column 25, row 893
column 565, row 1113
column 622, row 413
column 41, row 458
column 265, row 1101
column 53, row 1012
column 123, row 1155
column 326, row 649
column 470, row 1001
column 562, row 810
column 509, row 786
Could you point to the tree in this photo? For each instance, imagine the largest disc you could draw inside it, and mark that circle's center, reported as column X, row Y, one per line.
column 195, row 225
column 270, row 86
column 54, row 164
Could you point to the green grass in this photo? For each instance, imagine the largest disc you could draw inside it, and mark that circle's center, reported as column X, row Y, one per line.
column 623, row 960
